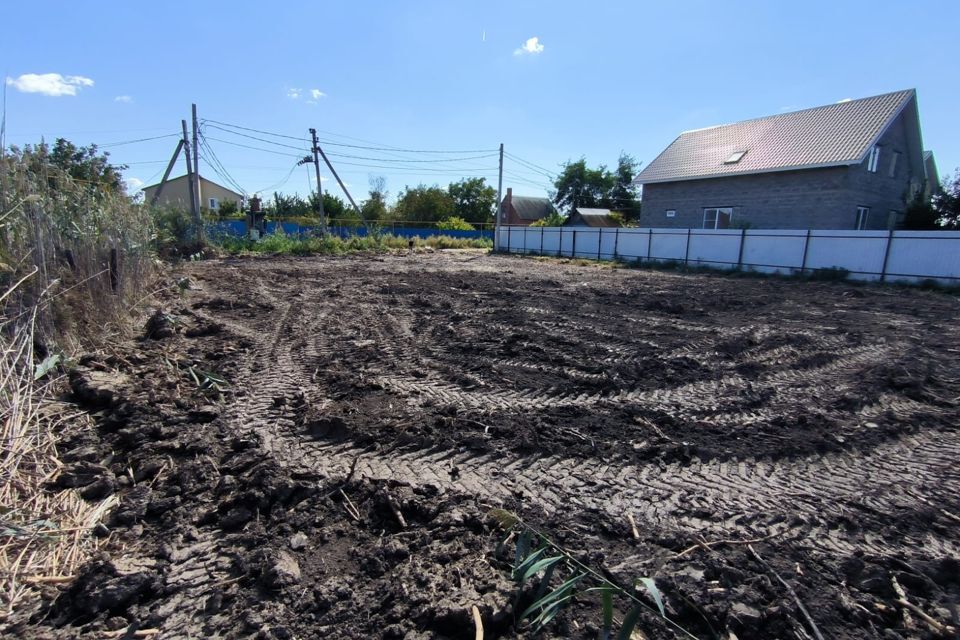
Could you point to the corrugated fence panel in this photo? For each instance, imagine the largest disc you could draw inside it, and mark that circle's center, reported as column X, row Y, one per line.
column 715, row 247
column 774, row 250
column 859, row 252
column 924, row 254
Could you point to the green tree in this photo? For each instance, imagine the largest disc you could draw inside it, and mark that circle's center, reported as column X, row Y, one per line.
column 946, row 203
column 374, row 208
column 623, row 196
column 424, row 204
column 553, row 219
column 473, row 199
column 579, row 186
column 87, row 165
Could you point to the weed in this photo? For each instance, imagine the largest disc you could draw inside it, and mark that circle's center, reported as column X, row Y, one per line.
column 538, row 557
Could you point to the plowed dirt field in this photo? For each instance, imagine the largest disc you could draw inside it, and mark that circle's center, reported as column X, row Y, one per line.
column 818, row 421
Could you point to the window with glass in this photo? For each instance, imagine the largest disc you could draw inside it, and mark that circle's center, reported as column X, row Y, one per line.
column 717, row 217
column 873, row 161
column 863, row 215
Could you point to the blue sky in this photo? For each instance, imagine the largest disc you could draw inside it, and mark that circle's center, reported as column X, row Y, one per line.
column 598, row 79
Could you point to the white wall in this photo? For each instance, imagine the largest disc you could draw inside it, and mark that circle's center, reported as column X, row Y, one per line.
column 910, row 256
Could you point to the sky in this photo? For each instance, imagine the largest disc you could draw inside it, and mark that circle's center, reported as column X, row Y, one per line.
column 426, row 91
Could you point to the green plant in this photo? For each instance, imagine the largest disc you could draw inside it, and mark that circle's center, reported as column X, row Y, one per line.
column 538, row 558
column 554, row 219
column 455, row 223
column 830, row 274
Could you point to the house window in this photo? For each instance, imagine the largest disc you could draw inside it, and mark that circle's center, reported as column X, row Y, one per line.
column 893, row 163
column 873, row 161
column 717, row 217
column 214, row 203
column 863, row 213
column 671, row 213
column 735, row 157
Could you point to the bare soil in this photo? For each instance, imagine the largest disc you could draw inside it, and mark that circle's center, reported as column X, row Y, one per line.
column 818, row 420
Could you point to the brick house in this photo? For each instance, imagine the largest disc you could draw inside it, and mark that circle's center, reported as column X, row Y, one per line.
column 523, row 210
column 850, row 165
column 176, row 193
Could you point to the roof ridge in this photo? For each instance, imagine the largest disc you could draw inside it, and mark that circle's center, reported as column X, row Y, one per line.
column 909, row 92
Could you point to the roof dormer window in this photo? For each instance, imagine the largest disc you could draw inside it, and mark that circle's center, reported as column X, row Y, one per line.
column 735, row 157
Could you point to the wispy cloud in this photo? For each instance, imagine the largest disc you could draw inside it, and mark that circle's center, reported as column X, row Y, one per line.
column 124, row 99
column 532, row 46
column 134, row 184
column 49, row 84
column 316, row 94
column 294, row 94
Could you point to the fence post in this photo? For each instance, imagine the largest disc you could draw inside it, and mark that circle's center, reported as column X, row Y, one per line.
column 686, row 251
column 649, row 242
column 886, row 257
column 509, row 239
column 573, row 249
column 542, row 231
column 560, row 244
column 806, row 247
column 616, row 241
column 743, row 236
column 525, row 240
column 599, row 241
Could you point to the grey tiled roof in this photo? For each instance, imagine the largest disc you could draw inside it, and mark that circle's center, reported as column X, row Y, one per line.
column 529, row 208
column 834, row 134
column 594, row 217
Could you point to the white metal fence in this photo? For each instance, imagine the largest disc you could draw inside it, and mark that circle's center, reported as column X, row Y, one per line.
column 892, row 256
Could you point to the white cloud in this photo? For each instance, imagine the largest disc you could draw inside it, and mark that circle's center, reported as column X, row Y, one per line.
column 531, row 46
column 125, row 99
column 844, row 100
column 49, row 84
column 134, row 184
column 294, row 94
column 316, row 94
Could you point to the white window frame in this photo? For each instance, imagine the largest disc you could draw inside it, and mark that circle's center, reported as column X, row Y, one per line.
column 213, row 203
column 671, row 213
column 712, row 222
column 873, row 161
column 863, row 218
column 894, row 157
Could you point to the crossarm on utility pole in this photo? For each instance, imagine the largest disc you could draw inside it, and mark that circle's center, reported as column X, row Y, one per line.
column 166, row 174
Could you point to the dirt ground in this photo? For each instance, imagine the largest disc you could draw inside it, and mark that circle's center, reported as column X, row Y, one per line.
column 259, row 431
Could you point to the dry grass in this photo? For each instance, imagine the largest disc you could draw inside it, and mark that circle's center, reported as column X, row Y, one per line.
column 44, row 534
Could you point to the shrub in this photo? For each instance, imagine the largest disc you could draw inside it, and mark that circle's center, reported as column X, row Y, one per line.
column 552, row 220
column 455, row 223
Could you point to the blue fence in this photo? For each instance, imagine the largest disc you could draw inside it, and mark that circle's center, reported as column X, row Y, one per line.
column 238, row 228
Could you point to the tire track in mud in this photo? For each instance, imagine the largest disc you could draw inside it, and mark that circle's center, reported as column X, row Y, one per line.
column 808, row 501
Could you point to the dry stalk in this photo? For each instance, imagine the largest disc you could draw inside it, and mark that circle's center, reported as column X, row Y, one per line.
column 44, row 535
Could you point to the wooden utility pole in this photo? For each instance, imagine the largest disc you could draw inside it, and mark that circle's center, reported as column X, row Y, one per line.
column 316, row 166
column 166, row 174
column 194, row 203
column 496, row 225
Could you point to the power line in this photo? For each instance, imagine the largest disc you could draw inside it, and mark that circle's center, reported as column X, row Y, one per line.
column 343, row 144
column 347, row 155
column 281, row 183
column 117, row 144
column 216, row 163
column 244, row 135
column 247, row 146
column 530, row 165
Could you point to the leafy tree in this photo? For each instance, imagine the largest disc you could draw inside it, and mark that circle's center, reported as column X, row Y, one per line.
column 623, row 196
column 424, row 204
column 284, row 206
column 84, row 164
column 455, row 223
column 334, row 208
column 374, row 208
column 228, row 208
column 473, row 199
column 88, row 164
column 579, row 186
column 947, row 202
column 920, row 215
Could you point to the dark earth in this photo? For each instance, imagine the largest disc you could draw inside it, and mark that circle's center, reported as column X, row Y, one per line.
column 778, row 443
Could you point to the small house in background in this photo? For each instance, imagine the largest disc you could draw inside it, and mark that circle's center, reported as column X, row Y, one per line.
column 584, row 217
column 176, row 193
column 850, row 165
column 523, row 210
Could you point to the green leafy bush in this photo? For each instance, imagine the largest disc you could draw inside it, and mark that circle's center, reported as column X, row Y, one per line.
column 455, row 223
